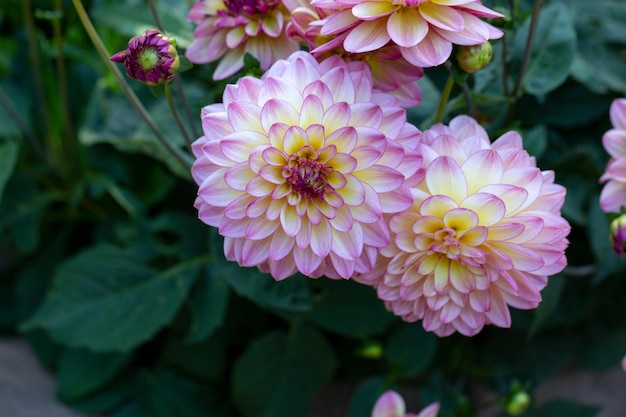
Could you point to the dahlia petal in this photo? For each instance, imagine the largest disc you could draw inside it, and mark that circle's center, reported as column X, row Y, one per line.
column 269, row 173
column 230, row 63
column 617, row 113
column 340, row 83
column 406, row 27
column 306, row 261
column 254, row 252
column 257, row 206
column 274, row 157
column 460, row 219
column 483, row 168
column 498, row 314
column 259, row 187
column 218, row 193
column 348, row 245
column 235, row 37
column 337, row 116
column 431, row 411
column 311, row 113
column 433, row 50
column 389, row 404
column 290, row 221
column 438, row 205
column 480, row 301
column 381, row 178
column 461, row 278
column 282, row 268
column 344, row 139
column 259, row 228
column 329, row 211
column 370, row 10
column 444, row 176
column 244, row 116
column 613, row 197
column 238, row 176
column 441, row 275
column 238, row 208
column 489, row 208
column 321, row 239
column 367, row 114
column 367, row 36
column 523, row 258
column 343, row 221
column 376, row 234
column 343, row 266
column 277, row 110
column 507, row 231
column 396, row 200
column 616, row 169
column 353, row 194
column 443, row 17
column 344, row 164
column 513, row 197
column 275, row 87
column 303, row 238
column 338, row 22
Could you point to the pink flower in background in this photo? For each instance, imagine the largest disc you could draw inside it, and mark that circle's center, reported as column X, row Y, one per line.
column 391, row 404
column 228, row 29
column 391, row 73
column 484, row 233
column 298, row 168
column 613, row 195
column 423, row 29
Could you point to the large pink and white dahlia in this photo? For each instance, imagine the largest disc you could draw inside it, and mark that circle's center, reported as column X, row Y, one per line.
column 297, row 168
column 483, row 234
column 228, row 29
column 613, row 196
column 423, row 29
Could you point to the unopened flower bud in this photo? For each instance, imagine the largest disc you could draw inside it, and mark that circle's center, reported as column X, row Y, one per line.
column 473, row 58
column 372, row 350
column 151, row 58
column 518, row 403
column 618, row 234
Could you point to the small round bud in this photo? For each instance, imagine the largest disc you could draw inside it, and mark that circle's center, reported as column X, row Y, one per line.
column 372, row 350
column 151, row 58
column 618, row 234
column 473, row 58
column 518, row 403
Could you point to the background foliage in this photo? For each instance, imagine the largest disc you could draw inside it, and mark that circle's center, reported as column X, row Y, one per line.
column 127, row 298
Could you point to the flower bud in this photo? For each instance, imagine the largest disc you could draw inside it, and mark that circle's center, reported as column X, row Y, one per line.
column 518, row 403
column 151, row 58
column 618, row 234
column 372, row 350
column 473, row 58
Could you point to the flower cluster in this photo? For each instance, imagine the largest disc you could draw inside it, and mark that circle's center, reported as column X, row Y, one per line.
column 613, row 196
column 313, row 168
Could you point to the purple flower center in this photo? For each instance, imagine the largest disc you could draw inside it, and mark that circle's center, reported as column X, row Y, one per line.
column 307, row 176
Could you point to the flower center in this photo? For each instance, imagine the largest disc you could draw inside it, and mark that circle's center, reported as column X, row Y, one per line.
column 445, row 242
column 409, row 3
column 306, row 175
column 249, row 7
column 148, row 58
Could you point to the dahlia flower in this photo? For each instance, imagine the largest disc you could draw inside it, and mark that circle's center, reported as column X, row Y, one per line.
column 613, row 196
column 484, row 233
column 297, row 168
column 391, row 404
column 150, row 58
column 391, row 73
column 423, row 29
column 228, row 29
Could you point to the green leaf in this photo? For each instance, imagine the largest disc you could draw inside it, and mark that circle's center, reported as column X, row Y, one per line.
column 279, row 373
column 365, row 396
column 291, row 294
column 82, row 371
column 606, row 259
column 205, row 361
column 553, row 49
column 551, row 296
column 8, row 159
column 536, row 140
column 411, row 349
column 105, row 299
column 208, row 303
column 347, row 308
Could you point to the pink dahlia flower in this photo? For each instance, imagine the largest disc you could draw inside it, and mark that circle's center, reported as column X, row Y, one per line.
column 391, row 73
column 613, row 196
column 229, row 29
column 423, row 29
column 297, row 168
column 484, row 233
column 391, row 404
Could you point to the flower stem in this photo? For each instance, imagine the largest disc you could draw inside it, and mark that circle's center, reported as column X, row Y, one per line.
column 130, row 94
column 445, row 95
column 179, row 123
column 177, row 82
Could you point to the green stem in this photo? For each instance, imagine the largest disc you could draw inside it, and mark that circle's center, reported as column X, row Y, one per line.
column 177, row 81
column 68, row 131
column 445, row 95
column 179, row 123
column 130, row 94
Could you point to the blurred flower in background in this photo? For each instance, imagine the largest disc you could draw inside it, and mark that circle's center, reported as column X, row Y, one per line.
column 391, row 404
column 424, row 29
column 228, row 30
column 613, row 196
column 297, row 169
column 484, row 233
column 151, row 58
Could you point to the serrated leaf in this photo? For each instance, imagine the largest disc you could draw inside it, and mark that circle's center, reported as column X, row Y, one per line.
column 553, row 49
column 278, row 374
column 105, row 299
column 411, row 350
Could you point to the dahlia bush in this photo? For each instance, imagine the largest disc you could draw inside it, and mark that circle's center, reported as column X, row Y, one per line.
column 302, row 208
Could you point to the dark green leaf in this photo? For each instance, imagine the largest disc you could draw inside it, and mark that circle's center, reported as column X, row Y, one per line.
column 279, row 373
column 607, row 261
column 536, row 140
column 411, row 349
column 365, row 396
column 347, row 308
column 208, row 303
column 204, row 361
column 105, row 299
column 8, row 159
column 561, row 408
column 551, row 296
column 82, row 371
column 552, row 52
